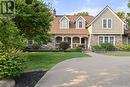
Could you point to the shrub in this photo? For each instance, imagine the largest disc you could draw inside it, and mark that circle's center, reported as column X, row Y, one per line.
column 36, row 46
column 11, row 63
column 124, row 47
column 64, row 45
column 75, row 49
column 96, row 47
column 104, row 46
column 82, row 46
column 107, row 46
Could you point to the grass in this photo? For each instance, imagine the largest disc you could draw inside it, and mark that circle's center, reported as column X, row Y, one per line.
column 46, row 60
column 118, row 53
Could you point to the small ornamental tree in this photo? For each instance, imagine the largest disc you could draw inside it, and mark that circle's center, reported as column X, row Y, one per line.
column 64, row 45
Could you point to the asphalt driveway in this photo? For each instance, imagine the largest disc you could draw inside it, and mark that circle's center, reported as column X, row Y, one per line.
column 96, row 71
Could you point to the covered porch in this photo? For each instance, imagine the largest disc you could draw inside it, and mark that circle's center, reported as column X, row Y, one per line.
column 74, row 41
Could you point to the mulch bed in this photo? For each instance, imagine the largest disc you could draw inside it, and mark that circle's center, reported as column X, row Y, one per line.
column 29, row 79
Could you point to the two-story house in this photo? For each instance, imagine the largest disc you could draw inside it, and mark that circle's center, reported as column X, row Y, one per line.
column 106, row 27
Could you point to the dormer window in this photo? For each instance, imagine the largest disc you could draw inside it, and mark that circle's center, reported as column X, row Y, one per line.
column 80, row 23
column 64, row 23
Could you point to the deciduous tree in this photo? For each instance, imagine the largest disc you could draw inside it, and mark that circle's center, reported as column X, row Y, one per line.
column 33, row 20
column 121, row 15
column 9, row 35
column 82, row 14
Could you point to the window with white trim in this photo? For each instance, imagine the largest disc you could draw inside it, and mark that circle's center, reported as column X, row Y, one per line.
column 104, row 23
column 100, row 40
column 64, row 23
column 80, row 24
column 107, row 23
column 106, row 39
column 112, row 40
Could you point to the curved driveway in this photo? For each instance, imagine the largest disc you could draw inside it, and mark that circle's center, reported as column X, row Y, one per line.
column 96, row 71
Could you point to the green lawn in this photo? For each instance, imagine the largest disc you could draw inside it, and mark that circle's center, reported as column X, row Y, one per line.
column 46, row 60
column 118, row 53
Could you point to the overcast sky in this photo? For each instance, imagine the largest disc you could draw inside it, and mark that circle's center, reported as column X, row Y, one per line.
column 91, row 6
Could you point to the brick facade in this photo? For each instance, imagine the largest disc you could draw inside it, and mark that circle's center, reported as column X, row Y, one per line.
column 94, row 39
column 118, row 40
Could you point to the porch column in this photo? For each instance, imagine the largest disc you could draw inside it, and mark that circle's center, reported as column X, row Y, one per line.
column 80, row 40
column 71, row 45
column 54, row 41
column 85, row 43
column 63, row 39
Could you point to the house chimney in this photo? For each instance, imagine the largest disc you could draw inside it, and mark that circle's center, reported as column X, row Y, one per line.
column 54, row 12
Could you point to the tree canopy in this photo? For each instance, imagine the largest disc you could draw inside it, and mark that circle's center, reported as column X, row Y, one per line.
column 9, row 35
column 128, row 14
column 33, row 20
column 121, row 15
column 82, row 14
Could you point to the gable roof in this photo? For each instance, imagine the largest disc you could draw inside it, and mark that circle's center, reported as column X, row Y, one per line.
column 55, row 28
column 107, row 7
column 80, row 17
column 65, row 18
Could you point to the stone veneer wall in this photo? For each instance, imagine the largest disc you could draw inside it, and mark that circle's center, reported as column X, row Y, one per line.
column 94, row 39
column 118, row 40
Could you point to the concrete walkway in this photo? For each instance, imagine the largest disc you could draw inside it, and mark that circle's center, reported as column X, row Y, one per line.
column 96, row 71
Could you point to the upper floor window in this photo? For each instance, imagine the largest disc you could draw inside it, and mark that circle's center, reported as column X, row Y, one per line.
column 80, row 23
column 107, row 23
column 104, row 23
column 64, row 23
